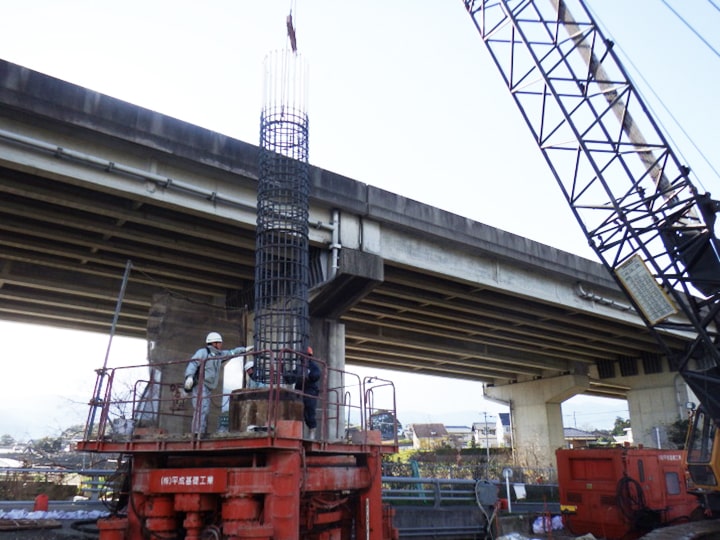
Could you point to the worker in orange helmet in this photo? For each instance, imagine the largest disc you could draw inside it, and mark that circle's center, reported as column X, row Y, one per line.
column 307, row 381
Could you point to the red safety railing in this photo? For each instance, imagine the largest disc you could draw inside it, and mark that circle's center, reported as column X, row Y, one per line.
column 150, row 398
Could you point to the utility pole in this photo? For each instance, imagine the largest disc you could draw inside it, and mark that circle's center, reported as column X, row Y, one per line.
column 487, row 440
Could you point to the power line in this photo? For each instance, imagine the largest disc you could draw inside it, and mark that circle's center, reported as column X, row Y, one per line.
column 598, row 412
column 677, row 123
column 692, row 29
column 638, row 73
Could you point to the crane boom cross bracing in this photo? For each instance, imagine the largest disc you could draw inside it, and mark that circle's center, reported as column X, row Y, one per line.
column 630, row 194
column 626, row 187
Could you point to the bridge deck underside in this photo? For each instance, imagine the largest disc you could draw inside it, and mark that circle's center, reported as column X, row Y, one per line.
column 63, row 249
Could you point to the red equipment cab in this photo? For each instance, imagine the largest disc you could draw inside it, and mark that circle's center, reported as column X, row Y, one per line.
column 621, row 493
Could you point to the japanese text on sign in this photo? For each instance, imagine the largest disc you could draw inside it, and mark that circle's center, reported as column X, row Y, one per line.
column 640, row 284
column 188, row 480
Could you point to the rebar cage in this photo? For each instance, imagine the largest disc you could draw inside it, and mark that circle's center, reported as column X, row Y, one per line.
column 282, row 268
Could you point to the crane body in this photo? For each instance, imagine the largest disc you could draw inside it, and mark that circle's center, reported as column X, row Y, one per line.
column 634, row 200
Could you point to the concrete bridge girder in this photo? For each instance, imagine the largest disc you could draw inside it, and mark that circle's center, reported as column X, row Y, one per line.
column 88, row 182
column 373, row 229
column 426, row 249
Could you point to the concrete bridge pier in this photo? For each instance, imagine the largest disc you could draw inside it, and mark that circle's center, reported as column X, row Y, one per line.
column 535, row 409
column 328, row 342
column 656, row 401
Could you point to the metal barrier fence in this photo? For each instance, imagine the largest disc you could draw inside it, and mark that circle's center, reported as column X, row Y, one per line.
column 472, row 468
column 96, row 484
column 92, row 485
column 433, row 492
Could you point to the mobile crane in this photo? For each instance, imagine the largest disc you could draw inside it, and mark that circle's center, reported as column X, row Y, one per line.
column 646, row 221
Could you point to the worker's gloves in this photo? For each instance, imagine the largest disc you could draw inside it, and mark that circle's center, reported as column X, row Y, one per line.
column 189, row 381
column 249, row 348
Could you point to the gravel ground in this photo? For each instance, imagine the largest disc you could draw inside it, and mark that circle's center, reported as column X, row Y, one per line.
column 85, row 530
column 64, row 532
column 63, row 517
column 68, row 533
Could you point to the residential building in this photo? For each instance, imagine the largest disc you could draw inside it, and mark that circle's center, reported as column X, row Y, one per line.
column 504, row 430
column 461, row 436
column 577, row 438
column 485, row 432
column 625, row 438
column 429, row 436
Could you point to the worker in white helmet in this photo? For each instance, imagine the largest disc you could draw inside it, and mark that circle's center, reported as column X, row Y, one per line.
column 212, row 356
column 251, row 379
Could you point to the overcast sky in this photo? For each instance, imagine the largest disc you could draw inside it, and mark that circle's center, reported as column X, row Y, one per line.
column 403, row 96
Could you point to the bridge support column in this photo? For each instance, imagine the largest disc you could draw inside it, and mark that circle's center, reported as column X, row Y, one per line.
column 655, row 402
column 176, row 329
column 535, row 410
column 328, row 342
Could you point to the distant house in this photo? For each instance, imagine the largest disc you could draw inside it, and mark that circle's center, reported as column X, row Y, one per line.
column 485, row 433
column 577, row 438
column 504, row 430
column 429, row 436
column 460, row 435
column 625, row 438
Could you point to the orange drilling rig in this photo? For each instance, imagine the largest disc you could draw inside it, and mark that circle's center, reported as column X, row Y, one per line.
column 276, row 472
column 259, row 479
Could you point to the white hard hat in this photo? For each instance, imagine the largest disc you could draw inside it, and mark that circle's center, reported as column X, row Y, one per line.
column 249, row 364
column 213, row 337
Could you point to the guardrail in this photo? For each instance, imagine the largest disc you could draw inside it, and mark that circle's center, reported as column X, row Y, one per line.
column 433, row 492
column 441, row 507
column 93, row 486
column 397, row 490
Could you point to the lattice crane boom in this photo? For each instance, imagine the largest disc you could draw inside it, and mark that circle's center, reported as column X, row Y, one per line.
column 632, row 197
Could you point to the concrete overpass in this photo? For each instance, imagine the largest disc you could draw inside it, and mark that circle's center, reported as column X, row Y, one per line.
column 89, row 181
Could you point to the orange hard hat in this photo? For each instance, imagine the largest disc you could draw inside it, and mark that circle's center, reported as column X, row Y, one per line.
column 310, row 351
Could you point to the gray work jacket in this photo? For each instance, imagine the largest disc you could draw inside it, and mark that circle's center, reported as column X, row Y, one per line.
column 212, row 365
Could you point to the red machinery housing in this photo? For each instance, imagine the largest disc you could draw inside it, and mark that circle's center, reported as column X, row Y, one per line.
column 620, row 493
column 261, row 478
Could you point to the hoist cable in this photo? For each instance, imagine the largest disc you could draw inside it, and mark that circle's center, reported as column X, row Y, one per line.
column 638, row 73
